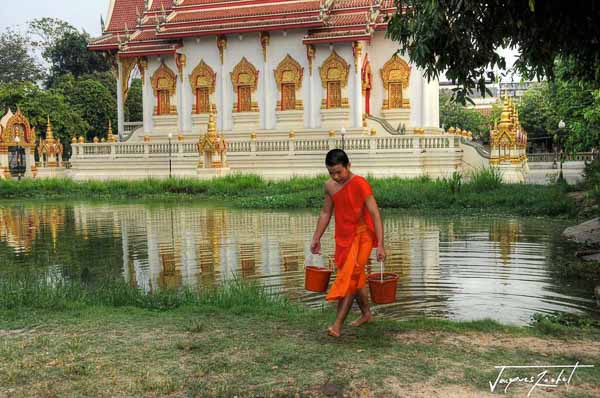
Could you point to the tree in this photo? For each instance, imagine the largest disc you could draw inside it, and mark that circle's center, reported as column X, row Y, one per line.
column 460, row 38
column 452, row 114
column 47, row 31
column 69, row 54
column 16, row 62
column 134, row 110
column 38, row 104
column 536, row 114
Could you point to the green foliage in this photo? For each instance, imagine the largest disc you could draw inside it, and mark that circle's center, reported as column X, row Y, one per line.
column 16, row 62
column 134, row 110
column 69, row 54
column 38, row 104
column 537, row 114
column 453, row 114
column 484, row 192
column 592, row 173
column 460, row 38
column 47, row 31
column 564, row 324
column 455, row 182
column 485, row 180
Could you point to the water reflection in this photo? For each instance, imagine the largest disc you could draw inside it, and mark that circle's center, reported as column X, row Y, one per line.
column 458, row 268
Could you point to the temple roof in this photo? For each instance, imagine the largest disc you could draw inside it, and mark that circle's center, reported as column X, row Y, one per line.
column 135, row 26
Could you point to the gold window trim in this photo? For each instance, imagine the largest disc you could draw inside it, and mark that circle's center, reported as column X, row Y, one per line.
column 289, row 71
column 164, row 72
column 208, row 79
column 341, row 69
column 396, row 70
column 244, row 74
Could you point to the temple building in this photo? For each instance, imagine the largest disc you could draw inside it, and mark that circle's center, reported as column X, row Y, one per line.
column 264, row 66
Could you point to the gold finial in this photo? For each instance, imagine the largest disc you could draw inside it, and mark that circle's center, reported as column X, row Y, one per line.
column 451, row 130
column 332, row 133
column 253, row 135
column 180, row 137
column 373, row 131
column 103, row 139
column 146, row 138
column 211, row 132
column 364, row 120
column 49, row 135
column 81, row 139
column 74, row 140
column 292, row 134
column 96, row 140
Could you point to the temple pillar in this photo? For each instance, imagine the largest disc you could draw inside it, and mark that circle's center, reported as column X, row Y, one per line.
column 120, row 101
column 266, row 103
column 431, row 103
column 312, row 101
column 357, row 92
column 147, row 101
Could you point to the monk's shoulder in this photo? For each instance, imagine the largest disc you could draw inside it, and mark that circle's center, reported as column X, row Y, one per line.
column 329, row 186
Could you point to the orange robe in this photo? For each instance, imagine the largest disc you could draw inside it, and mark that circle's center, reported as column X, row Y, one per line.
column 354, row 237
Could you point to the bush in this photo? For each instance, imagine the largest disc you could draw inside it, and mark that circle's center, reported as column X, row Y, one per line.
column 591, row 174
column 485, row 180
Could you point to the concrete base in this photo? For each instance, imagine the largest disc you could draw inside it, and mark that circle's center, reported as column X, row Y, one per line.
column 512, row 173
column 50, row 172
column 207, row 174
column 200, row 123
column 165, row 123
column 248, row 121
column 290, row 120
column 335, row 118
column 395, row 117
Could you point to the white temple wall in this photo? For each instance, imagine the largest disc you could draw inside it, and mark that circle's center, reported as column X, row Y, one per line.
column 196, row 50
column 279, row 48
column 322, row 52
column 250, row 48
column 381, row 51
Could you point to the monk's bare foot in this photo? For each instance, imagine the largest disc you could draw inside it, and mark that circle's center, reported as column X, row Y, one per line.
column 362, row 319
column 333, row 332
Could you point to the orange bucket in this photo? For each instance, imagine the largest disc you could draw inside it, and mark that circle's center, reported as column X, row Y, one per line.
column 383, row 287
column 316, row 278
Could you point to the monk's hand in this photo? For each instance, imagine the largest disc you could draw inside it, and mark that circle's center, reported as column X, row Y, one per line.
column 380, row 253
column 315, row 247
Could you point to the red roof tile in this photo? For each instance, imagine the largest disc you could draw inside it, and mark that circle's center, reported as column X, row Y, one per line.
column 124, row 13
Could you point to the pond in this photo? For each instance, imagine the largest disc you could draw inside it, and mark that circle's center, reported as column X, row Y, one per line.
column 454, row 267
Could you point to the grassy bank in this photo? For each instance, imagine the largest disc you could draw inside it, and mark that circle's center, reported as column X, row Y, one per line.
column 484, row 193
column 61, row 339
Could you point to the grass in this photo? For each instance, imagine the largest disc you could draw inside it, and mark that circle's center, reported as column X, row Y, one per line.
column 482, row 192
column 74, row 340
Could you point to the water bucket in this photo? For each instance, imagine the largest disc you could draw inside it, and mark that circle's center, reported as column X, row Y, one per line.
column 316, row 278
column 382, row 286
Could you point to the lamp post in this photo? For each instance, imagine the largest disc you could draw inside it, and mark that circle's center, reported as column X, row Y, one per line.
column 561, row 127
column 19, row 158
column 170, row 138
column 343, row 133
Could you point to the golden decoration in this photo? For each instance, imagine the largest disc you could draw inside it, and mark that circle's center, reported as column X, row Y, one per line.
column 203, row 76
column 395, row 72
column 335, row 68
column 244, row 79
column 142, row 65
column 373, row 132
column 265, row 39
column 367, row 76
column 180, row 61
column 221, row 45
column 74, row 140
column 50, row 150
column 164, row 79
column 332, row 133
column 253, row 135
column 96, row 140
column 81, row 139
column 292, row 134
column 146, row 138
column 110, row 137
column 357, row 52
column 289, row 72
column 127, row 66
column 310, row 55
column 18, row 125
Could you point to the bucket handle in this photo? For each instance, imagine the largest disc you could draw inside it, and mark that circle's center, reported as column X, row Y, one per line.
column 381, row 270
column 325, row 257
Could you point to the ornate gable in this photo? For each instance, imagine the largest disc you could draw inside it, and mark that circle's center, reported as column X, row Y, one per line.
column 18, row 125
column 164, row 79
column 203, row 76
column 289, row 71
column 244, row 74
column 335, row 68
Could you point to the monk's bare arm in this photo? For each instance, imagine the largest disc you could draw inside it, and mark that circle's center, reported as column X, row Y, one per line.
column 324, row 218
column 378, row 224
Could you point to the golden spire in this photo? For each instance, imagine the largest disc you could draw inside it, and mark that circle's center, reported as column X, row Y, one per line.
column 212, row 126
column 110, row 132
column 49, row 135
column 506, row 123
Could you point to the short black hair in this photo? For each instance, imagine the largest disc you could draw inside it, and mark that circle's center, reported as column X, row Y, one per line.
column 336, row 156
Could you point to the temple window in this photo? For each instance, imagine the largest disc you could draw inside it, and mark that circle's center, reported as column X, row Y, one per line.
column 334, row 77
column 395, row 75
column 164, row 83
column 202, row 81
column 288, row 76
column 245, row 81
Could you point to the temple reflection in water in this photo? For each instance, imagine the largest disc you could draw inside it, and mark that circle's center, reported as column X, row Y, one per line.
column 459, row 267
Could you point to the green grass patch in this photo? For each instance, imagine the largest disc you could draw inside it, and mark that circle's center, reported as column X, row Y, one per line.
column 483, row 192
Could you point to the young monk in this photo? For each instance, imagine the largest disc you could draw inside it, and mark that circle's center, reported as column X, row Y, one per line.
column 358, row 228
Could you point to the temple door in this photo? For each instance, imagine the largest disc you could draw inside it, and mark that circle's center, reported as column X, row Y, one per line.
column 334, row 95
column 288, row 97
column 395, row 95
column 368, row 101
column 244, row 99
column 202, row 100
column 164, row 103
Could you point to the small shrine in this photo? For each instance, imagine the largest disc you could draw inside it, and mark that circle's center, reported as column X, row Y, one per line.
column 508, row 141
column 212, row 149
column 17, row 145
column 50, row 150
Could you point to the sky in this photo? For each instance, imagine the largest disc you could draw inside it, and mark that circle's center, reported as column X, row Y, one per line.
column 83, row 14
